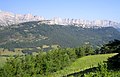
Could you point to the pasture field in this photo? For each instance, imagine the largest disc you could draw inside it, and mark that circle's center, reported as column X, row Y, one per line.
column 11, row 53
column 83, row 63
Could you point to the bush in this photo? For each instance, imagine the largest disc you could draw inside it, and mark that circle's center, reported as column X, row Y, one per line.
column 101, row 71
column 114, row 62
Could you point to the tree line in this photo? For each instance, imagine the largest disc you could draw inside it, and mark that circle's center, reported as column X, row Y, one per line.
column 44, row 63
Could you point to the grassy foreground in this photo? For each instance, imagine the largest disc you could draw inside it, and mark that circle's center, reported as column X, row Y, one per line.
column 82, row 64
column 79, row 65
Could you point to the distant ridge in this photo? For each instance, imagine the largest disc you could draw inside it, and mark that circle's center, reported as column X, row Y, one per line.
column 8, row 18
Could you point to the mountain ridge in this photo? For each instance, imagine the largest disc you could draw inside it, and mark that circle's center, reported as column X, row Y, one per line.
column 8, row 18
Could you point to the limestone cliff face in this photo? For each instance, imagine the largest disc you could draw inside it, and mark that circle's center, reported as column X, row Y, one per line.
column 8, row 18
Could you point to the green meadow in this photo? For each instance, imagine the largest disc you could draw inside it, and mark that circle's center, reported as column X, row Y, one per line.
column 82, row 64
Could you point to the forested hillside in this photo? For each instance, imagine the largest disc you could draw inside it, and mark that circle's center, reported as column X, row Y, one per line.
column 36, row 34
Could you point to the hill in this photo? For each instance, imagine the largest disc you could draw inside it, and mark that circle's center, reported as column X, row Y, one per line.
column 36, row 34
column 82, row 64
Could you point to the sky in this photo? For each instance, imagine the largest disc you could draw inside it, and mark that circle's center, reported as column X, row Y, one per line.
column 76, row 9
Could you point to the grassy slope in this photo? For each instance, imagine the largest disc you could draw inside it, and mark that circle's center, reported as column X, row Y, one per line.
column 82, row 64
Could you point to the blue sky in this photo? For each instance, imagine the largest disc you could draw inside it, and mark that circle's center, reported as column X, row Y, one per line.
column 79, row 9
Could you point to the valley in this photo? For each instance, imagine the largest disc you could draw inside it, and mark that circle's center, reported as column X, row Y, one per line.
column 33, row 46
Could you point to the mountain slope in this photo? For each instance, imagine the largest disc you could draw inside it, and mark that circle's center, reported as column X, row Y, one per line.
column 35, row 34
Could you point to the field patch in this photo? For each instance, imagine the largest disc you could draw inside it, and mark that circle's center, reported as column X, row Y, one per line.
column 82, row 64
